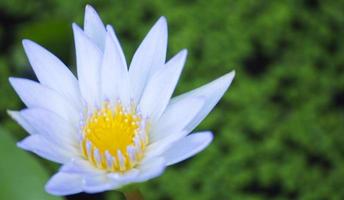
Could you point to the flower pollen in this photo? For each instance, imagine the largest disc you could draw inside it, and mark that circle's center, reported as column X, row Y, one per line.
column 114, row 138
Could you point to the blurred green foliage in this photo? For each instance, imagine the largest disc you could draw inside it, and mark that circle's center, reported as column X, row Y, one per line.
column 279, row 129
column 21, row 176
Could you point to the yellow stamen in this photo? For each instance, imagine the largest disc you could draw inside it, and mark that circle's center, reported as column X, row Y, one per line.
column 114, row 139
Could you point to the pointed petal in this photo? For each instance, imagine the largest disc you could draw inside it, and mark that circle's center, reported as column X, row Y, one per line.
column 176, row 117
column 187, row 147
column 88, row 59
column 212, row 92
column 51, row 126
column 51, row 72
column 21, row 121
column 149, row 57
column 161, row 86
column 45, row 149
column 114, row 71
column 62, row 184
column 36, row 95
column 118, row 47
column 94, row 27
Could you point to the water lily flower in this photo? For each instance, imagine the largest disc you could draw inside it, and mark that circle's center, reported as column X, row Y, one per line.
column 114, row 125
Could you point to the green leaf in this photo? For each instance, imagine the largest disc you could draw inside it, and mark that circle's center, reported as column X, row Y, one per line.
column 21, row 176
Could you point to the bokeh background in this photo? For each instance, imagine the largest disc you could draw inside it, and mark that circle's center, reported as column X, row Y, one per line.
column 279, row 130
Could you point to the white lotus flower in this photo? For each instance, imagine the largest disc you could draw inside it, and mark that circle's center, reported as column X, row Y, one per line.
column 111, row 126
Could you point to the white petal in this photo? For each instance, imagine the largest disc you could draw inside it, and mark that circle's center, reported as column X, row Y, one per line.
column 161, row 86
column 37, row 95
column 157, row 148
column 119, row 179
column 149, row 57
column 99, row 182
column 51, row 126
column 93, row 179
column 114, row 71
column 150, row 169
column 62, row 184
column 94, row 27
column 80, row 166
column 88, row 59
column 95, row 184
column 118, row 47
column 45, row 148
column 212, row 92
column 51, row 72
column 187, row 147
column 21, row 121
column 175, row 118
column 110, row 181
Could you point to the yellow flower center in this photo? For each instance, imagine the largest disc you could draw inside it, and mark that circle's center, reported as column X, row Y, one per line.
column 114, row 138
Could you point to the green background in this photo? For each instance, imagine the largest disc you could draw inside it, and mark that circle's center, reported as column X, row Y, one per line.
column 279, row 130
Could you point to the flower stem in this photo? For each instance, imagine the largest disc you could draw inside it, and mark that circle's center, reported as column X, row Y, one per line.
column 133, row 195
